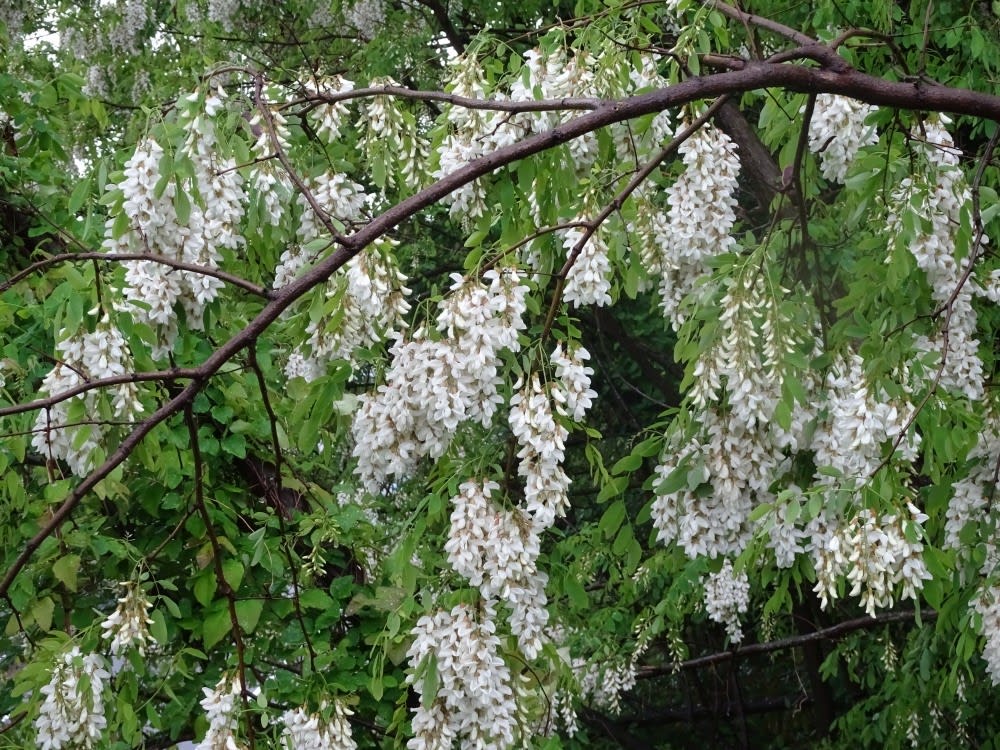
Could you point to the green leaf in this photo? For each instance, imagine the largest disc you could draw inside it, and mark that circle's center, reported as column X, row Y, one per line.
column 65, row 569
column 232, row 571
column 204, row 587
column 182, row 205
column 79, row 195
column 42, row 611
column 217, row 625
column 158, row 629
column 576, row 593
column 248, row 613
column 612, row 519
column 429, row 685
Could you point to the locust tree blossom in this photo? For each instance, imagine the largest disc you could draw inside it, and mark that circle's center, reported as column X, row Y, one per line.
column 435, row 385
column 67, row 432
column 72, row 712
column 727, row 596
column 873, row 553
column 474, row 698
column 317, row 731
column 128, row 626
column 702, row 212
column 937, row 200
column 221, row 706
column 837, row 131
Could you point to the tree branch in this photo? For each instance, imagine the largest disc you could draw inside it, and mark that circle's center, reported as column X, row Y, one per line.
column 217, row 273
column 831, row 633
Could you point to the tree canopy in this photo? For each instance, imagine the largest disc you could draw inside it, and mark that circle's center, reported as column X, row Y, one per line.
column 441, row 374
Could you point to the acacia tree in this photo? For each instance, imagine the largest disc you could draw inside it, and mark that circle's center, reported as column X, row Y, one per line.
column 430, row 374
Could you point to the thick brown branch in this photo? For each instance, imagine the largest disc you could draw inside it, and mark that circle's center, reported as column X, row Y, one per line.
column 831, row 633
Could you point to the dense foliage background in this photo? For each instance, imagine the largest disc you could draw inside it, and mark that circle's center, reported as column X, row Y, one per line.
column 594, row 374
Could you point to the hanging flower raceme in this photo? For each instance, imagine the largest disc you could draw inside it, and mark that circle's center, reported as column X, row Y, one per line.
column 875, row 555
column 702, row 212
column 67, row 433
column 72, row 713
column 328, row 730
column 370, row 303
column 543, row 446
column 837, row 131
column 187, row 220
column 221, row 706
column 433, row 386
column 496, row 550
column 727, row 596
column 939, row 198
column 128, row 626
column 473, row 699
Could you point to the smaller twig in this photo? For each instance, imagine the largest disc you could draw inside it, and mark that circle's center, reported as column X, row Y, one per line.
column 279, row 511
column 268, row 120
column 229, row 278
column 220, row 577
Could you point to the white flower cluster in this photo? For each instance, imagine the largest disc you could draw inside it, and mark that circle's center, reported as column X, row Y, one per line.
column 221, row 709
column 987, row 606
column 391, row 138
column 604, row 683
column 968, row 502
column 128, row 37
column 128, row 625
column 785, row 536
column 432, row 385
column 153, row 290
column 496, row 549
column 874, row 553
column 738, row 463
column 574, row 376
column 330, row 117
column 937, row 200
column 306, row 731
column 837, row 131
column 543, row 75
column 100, row 354
column 747, row 356
column 727, row 596
column 702, row 212
column 341, row 200
column 588, row 281
column 366, row 16
column 850, row 440
column 474, row 701
column 543, row 447
column 71, row 716
column 371, row 299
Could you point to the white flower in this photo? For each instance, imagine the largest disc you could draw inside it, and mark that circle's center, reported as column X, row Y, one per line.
column 128, row 625
column 305, row 731
column 474, row 699
column 702, row 213
column 727, row 596
column 221, row 711
column 69, row 716
column 575, row 378
column 588, row 281
column 837, row 131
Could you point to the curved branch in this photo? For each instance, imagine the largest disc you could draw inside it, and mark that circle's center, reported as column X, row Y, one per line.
column 135, row 377
column 229, row 278
column 763, row 23
column 830, row 633
column 496, row 105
